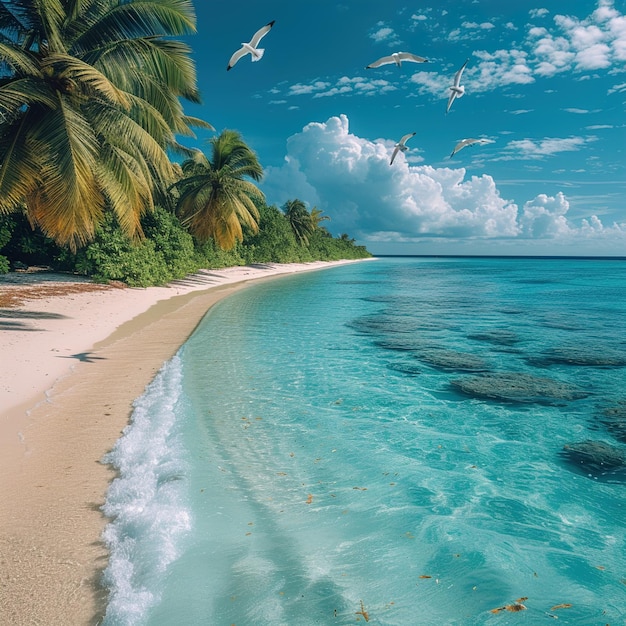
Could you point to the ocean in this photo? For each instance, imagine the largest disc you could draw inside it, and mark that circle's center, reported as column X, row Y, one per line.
column 408, row 441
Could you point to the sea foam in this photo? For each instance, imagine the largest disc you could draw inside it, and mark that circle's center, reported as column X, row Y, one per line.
column 147, row 501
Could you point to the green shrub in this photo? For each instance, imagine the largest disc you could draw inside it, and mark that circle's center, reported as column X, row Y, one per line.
column 166, row 253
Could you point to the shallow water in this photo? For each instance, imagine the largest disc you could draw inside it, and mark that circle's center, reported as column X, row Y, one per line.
column 384, row 440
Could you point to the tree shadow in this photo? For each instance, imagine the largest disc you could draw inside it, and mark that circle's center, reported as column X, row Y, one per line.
column 10, row 319
column 199, row 278
column 30, row 315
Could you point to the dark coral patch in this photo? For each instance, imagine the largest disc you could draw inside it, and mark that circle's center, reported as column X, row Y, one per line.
column 518, row 387
column 597, row 459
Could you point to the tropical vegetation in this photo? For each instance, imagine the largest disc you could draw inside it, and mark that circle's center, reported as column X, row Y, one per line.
column 90, row 112
column 216, row 201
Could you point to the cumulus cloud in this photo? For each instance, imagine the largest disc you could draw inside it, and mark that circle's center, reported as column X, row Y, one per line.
column 544, row 216
column 592, row 43
column 350, row 179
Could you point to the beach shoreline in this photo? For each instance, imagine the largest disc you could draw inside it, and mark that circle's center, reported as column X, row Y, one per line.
column 72, row 366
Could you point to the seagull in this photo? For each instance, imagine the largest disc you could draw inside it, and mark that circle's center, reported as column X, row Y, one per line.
column 397, row 58
column 457, row 90
column 464, row 143
column 251, row 46
column 400, row 146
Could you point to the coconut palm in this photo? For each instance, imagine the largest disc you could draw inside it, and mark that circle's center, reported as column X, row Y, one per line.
column 215, row 199
column 317, row 217
column 89, row 106
column 300, row 220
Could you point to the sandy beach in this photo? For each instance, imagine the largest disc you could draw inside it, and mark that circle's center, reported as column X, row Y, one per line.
column 74, row 357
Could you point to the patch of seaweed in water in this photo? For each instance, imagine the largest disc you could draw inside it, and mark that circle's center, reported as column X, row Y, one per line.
column 596, row 459
column 613, row 420
column 516, row 387
column 451, row 360
column 498, row 336
column 405, row 367
column 586, row 356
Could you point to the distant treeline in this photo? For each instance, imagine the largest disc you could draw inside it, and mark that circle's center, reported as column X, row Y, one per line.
column 168, row 251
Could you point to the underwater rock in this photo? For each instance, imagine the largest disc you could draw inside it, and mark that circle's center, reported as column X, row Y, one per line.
column 405, row 367
column 451, row 360
column 597, row 459
column 400, row 343
column 614, row 420
column 498, row 336
column 591, row 356
column 517, row 387
column 386, row 324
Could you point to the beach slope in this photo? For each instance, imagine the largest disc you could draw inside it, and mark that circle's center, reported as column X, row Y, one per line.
column 75, row 355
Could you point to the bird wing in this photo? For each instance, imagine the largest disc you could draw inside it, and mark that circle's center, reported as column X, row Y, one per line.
column 462, row 144
column 466, row 143
column 459, row 73
column 254, row 42
column 405, row 138
column 240, row 53
column 407, row 56
column 393, row 156
column 381, row 61
column 450, row 100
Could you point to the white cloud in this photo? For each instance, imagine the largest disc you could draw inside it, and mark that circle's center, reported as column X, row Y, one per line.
column 300, row 89
column 470, row 31
column 350, row 179
column 538, row 12
column 596, row 42
column 545, row 217
column 530, row 149
column 384, row 33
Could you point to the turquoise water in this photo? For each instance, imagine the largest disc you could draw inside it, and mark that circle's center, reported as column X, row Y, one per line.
column 384, row 441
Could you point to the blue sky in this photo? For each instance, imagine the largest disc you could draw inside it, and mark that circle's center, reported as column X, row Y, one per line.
column 545, row 81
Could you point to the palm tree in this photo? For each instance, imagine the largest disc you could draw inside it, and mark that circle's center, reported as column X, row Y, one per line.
column 317, row 217
column 300, row 220
column 89, row 106
column 215, row 200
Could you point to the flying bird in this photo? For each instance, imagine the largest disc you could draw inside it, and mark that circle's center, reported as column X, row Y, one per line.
column 251, row 47
column 456, row 90
column 400, row 146
column 397, row 58
column 465, row 143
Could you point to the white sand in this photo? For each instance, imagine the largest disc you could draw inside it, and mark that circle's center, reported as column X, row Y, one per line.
column 71, row 366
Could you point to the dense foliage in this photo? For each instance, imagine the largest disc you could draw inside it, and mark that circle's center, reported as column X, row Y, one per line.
column 90, row 107
column 168, row 251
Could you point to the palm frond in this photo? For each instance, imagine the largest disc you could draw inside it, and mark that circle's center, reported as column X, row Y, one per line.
column 132, row 20
column 17, row 95
column 129, row 62
column 123, row 178
column 20, row 60
column 20, row 167
column 70, row 203
column 86, row 78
